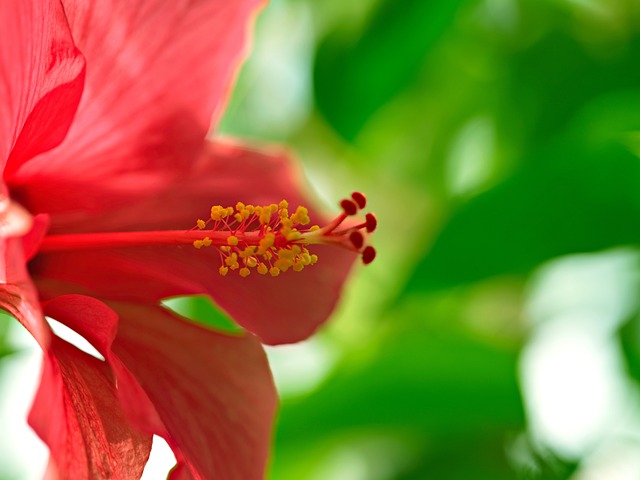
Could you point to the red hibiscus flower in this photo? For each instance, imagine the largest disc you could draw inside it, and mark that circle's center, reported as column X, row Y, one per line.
column 105, row 109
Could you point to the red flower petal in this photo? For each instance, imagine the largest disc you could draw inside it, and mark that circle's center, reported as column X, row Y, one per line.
column 77, row 413
column 157, row 71
column 18, row 295
column 41, row 79
column 212, row 392
column 281, row 310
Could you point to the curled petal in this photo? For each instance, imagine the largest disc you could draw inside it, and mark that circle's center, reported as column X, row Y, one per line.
column 157, row 72
column 41, row 79
column 77, row 413
column 212, row 393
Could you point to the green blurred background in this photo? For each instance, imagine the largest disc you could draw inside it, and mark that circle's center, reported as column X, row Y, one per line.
column 497, row 334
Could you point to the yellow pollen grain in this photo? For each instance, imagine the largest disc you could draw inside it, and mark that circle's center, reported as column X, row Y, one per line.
column 265, row 217
column 206, row 241
column 198, row 243
column 283, row 264
column 314, row 259
column 301, row 216
column 247, row 252
column 225, row 249
column 274, row 271
column 239, row 206
column 266, row 243
column 286, row 253
column 201, row 224
column 244, row 272
column 231, row 260
column 238, row 217
column 314, row 228
column 232, row 240
column 251, row 262
column 223, row 271
column 262, row 269
column 217, row 213
column 284, row 204
column 298, row 266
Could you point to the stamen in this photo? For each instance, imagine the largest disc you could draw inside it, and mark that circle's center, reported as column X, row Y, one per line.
column 349, row 207
column 266, row 238
column 357, row 239
column 360, row 199
column 271, row 241
column 368, row 255
column 372, row 222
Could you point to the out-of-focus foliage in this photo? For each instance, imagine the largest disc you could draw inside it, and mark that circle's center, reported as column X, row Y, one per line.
column 494, row 137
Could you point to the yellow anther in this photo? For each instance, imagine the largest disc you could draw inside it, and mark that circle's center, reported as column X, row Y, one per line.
column 314, row 259
column 314, row 228
column 198, row 243
column 305, row 258
column 296, row 249
column 284, row 213
column 298, row 266
column 273, row 207
column 286, row 223
column 231, row 260
column 238, row 217
column 274, row 271
column 301, row 216
column 225, row 249
column 265, row 217
column 286, row 253
column 247, row 252
column 258, row 210
column 283, row 264
column 244, row 272
column 217, row 213
column 284, row 204
column 206, row 241
column 228, row 212
column 251, row 262
column 239, row 206
column 201, row 224
column 223, row 271
column 251, row 209
column 235, row 266
column 262, row 269
column 266, row 243
column 232, row 240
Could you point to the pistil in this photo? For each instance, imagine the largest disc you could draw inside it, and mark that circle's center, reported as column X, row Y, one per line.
column 266, row 239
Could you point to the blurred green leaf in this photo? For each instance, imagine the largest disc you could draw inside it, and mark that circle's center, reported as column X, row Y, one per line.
column 201, row 309
column 450, row 392
column 355, row 75
column 567, row 199
column 629, row 336
column 5, row 325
